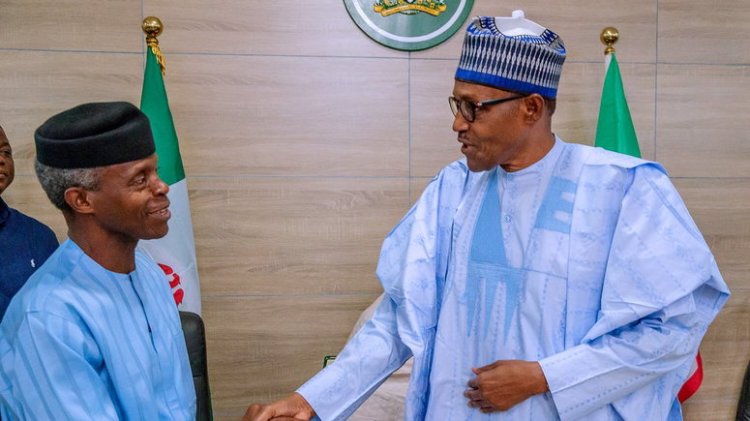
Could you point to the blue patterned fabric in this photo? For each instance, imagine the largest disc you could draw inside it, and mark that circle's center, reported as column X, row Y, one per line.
column 25, row 244
column 596, row 270
column 519, row 63
column 82, row 343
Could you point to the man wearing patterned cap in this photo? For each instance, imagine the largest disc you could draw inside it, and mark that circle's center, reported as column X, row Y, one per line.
column 534, row 279
column 94, row 333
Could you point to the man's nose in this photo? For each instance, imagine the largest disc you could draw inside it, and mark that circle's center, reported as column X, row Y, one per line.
column 160, row 187
column 460, row 124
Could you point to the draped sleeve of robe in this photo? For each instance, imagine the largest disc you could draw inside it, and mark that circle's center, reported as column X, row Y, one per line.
column 656, row 295
column 412, row 267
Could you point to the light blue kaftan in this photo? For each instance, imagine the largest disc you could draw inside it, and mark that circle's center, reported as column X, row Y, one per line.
column 82, row 343
column 586, row 261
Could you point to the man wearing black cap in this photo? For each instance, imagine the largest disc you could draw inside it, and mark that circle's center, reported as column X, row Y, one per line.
column 95, row 334
column 25, row 243
column 535, row 279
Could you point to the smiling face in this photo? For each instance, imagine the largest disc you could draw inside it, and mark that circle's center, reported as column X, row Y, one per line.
column 7, row 166
column 499, row 134
column 131, row 201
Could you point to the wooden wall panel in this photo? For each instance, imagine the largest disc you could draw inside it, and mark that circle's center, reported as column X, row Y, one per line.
column 719, row 208
column 292, row 235
column 579, row 97
column 279, row 27
column 725, row 355
column 262, row 348
column 695, row 31
column 433, row 141
column 36, row 85
column 80, row 25
column 701, row 129
column 290, row 115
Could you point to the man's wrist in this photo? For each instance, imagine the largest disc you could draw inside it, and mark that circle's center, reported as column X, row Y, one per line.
column 303, row 405
column 541, row 380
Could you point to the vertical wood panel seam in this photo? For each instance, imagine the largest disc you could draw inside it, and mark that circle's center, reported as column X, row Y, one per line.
column 143, row 42
column 408, row 142
column 656, row 87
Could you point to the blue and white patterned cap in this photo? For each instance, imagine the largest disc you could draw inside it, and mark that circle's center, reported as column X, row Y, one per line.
column 513, row 54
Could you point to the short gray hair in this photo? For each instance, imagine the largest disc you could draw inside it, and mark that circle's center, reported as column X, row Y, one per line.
column 55, row 181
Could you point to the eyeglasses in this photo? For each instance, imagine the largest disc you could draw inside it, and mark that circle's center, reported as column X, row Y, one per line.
column 469, row 109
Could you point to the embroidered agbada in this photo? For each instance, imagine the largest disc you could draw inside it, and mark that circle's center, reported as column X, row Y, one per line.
column 82, row 343
column 586, row 261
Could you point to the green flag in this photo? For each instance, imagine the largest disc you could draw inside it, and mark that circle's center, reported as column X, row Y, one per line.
column 614, row 130
column 175, row 252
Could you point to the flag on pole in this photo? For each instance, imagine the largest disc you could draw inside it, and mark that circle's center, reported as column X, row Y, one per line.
column 615, row 132
column 175, row 252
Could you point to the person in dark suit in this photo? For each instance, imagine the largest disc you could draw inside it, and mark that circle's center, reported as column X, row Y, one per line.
column 25, row 243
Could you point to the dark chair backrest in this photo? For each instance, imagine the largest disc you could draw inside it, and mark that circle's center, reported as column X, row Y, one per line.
column 743, row 406
column 195, row 339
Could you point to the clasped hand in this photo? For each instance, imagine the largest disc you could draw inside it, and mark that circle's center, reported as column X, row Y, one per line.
column 291, row 408
column 503, row 384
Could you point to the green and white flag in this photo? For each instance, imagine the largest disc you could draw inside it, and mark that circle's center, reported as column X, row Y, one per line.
column 175, row 252
column 614, row 130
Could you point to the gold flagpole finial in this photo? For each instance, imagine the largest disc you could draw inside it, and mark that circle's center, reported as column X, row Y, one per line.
column 609, row 37
column 153, row 27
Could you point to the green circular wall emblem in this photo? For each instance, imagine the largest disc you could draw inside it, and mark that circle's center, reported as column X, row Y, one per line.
column 409, row 24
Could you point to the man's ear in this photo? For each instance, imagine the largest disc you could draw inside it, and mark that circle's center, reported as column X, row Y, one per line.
column 78, row 199
column 533, row 108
